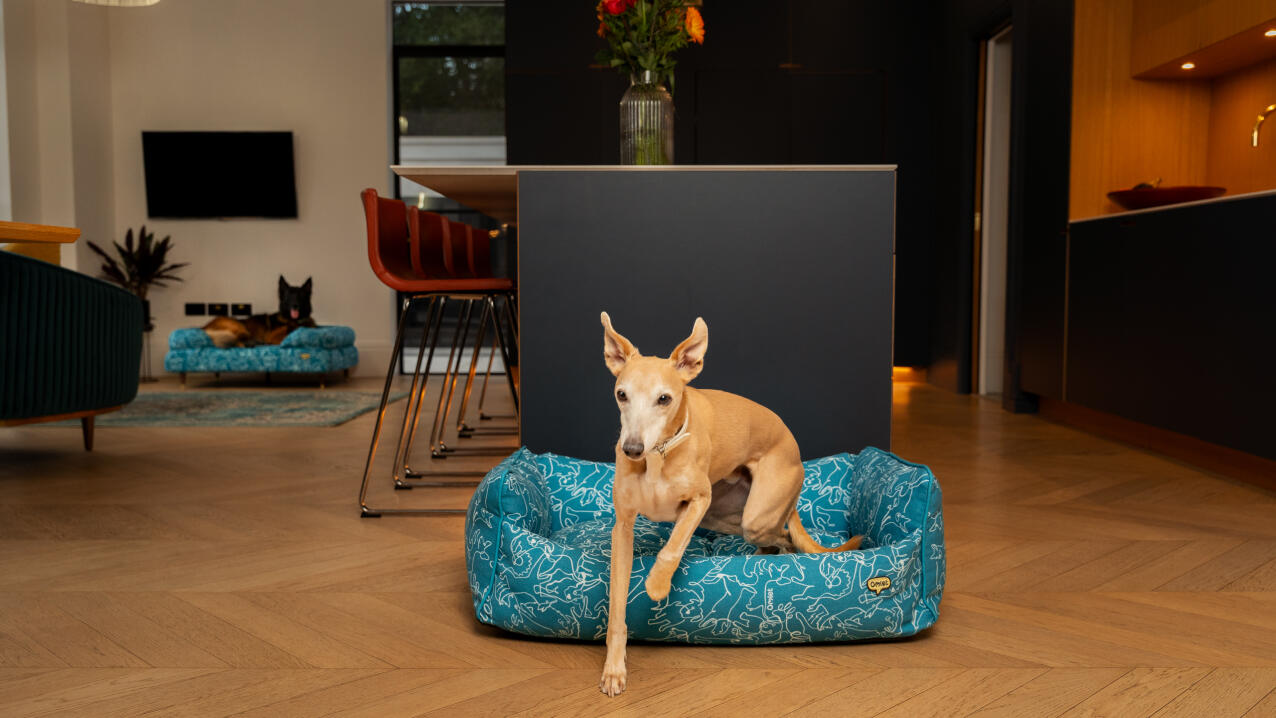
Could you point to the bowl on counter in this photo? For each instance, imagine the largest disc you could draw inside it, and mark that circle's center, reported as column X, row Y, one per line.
column 1143, row 198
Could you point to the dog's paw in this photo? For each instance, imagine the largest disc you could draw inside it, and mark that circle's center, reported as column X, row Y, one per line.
column 657, row 586
column 613, row 680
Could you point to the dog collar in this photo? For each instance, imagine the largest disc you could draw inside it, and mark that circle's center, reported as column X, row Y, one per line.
column 665, row 446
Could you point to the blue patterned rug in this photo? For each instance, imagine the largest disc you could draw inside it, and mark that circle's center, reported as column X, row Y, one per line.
column 244, row 408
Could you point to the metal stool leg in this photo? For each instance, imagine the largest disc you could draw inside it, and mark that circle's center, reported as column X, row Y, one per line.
column 486, row 376
column 463, row 429
column 505, row 356
column 409, row 475
column 414, row 393
column 436, row 430
column 442, row 449
column 496, row 346
column 364, row 510
column 450, row 383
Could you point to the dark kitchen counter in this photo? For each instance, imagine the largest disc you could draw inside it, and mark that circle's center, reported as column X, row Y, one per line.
column 1171, row 319
column 791, row 267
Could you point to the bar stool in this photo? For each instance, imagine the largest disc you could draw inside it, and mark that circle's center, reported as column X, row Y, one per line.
column 435, row 239
column 474, row 245
column 479, row 253
column 395, row 262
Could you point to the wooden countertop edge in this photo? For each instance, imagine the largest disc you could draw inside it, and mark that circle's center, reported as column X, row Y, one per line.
column 41, row 233
column 1169, row 207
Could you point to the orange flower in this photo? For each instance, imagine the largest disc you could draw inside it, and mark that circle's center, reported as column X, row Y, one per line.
column 695, row 25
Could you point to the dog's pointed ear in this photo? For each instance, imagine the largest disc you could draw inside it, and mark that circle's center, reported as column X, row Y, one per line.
column 688, row 357
column 617, row 350
column 283, row 283
column 307, row 285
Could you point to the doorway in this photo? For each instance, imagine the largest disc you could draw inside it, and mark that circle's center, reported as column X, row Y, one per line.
column 992, row 206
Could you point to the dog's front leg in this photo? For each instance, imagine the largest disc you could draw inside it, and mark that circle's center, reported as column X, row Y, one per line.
column 622, row 561
column 667, row 560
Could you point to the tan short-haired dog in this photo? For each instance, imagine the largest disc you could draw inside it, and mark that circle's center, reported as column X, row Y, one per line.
column 696, row 458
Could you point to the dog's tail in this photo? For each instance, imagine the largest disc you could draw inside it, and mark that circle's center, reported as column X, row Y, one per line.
column 804, row 543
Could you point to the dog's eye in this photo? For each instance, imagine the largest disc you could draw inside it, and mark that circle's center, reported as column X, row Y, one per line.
column 621, row 395
column 663, row 399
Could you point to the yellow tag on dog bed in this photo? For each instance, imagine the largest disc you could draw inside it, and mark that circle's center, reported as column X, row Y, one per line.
column 878, row 584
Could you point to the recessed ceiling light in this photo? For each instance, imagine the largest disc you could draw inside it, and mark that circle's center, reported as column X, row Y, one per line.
column 1270, row 33
column 1188, row 65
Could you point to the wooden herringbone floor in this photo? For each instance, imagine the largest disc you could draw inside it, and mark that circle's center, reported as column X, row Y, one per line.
column 209, row 572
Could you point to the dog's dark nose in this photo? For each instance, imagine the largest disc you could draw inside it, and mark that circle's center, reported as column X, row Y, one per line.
column 633, row 449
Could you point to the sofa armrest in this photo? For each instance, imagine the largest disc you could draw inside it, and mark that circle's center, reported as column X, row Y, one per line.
column 331, row 337
column 68, row 342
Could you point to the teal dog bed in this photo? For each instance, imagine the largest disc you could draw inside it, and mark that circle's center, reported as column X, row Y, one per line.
column 538, row 551
column 308, row 350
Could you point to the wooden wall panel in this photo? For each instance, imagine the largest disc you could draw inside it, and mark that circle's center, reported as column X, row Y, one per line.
column 1169, row 29
column 1232, row 161
column 1126, row 131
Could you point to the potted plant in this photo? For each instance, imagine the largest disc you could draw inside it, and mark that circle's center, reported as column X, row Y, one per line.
column 642, row 36
column 140, row 266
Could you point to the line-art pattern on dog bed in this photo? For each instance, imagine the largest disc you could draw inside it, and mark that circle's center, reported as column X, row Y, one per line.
column 538, row 551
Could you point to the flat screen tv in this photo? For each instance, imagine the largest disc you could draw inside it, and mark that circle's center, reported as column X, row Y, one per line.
column 191, row 175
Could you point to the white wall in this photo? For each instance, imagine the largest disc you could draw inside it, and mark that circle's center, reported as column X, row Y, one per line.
column 84, row 82
column 315, row 67
column 38, row 59
column 6, row 201
column 91, row 146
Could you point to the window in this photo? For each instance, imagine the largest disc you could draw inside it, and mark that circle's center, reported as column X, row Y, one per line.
column 449, row 91
column 449, row 109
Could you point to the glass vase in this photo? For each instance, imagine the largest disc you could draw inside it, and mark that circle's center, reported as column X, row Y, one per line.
column 646, row 122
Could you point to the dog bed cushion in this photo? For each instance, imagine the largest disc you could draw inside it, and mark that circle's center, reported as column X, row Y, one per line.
column 305, row 350
column 538, row 552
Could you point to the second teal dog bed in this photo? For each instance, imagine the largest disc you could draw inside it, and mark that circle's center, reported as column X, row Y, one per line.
column 308, row 350
column 538, row 545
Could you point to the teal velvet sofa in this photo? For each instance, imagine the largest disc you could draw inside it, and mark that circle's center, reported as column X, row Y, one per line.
column 70, row 345
column 308, row 350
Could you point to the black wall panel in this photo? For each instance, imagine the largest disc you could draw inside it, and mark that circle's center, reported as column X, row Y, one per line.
column 791, row 271
column 856, row 86
column 1171, row 321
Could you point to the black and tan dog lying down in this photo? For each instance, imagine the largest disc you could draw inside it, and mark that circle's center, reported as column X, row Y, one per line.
column 294, row 312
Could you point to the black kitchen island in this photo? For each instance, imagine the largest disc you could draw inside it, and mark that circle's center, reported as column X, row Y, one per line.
column 791, row 267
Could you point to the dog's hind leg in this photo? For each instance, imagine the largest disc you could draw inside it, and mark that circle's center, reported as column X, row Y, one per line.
column 777, row 481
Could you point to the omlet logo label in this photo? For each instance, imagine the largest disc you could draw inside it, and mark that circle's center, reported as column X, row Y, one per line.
column 770, row 598
column 878, row 584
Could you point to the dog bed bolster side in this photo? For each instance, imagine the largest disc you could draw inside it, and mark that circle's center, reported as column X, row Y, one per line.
column 895, row 498
column 331, row 337
column 511, row 500
column 189, row 339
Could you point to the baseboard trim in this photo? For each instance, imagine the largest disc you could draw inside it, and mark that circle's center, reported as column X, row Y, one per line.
column 1219, row 459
